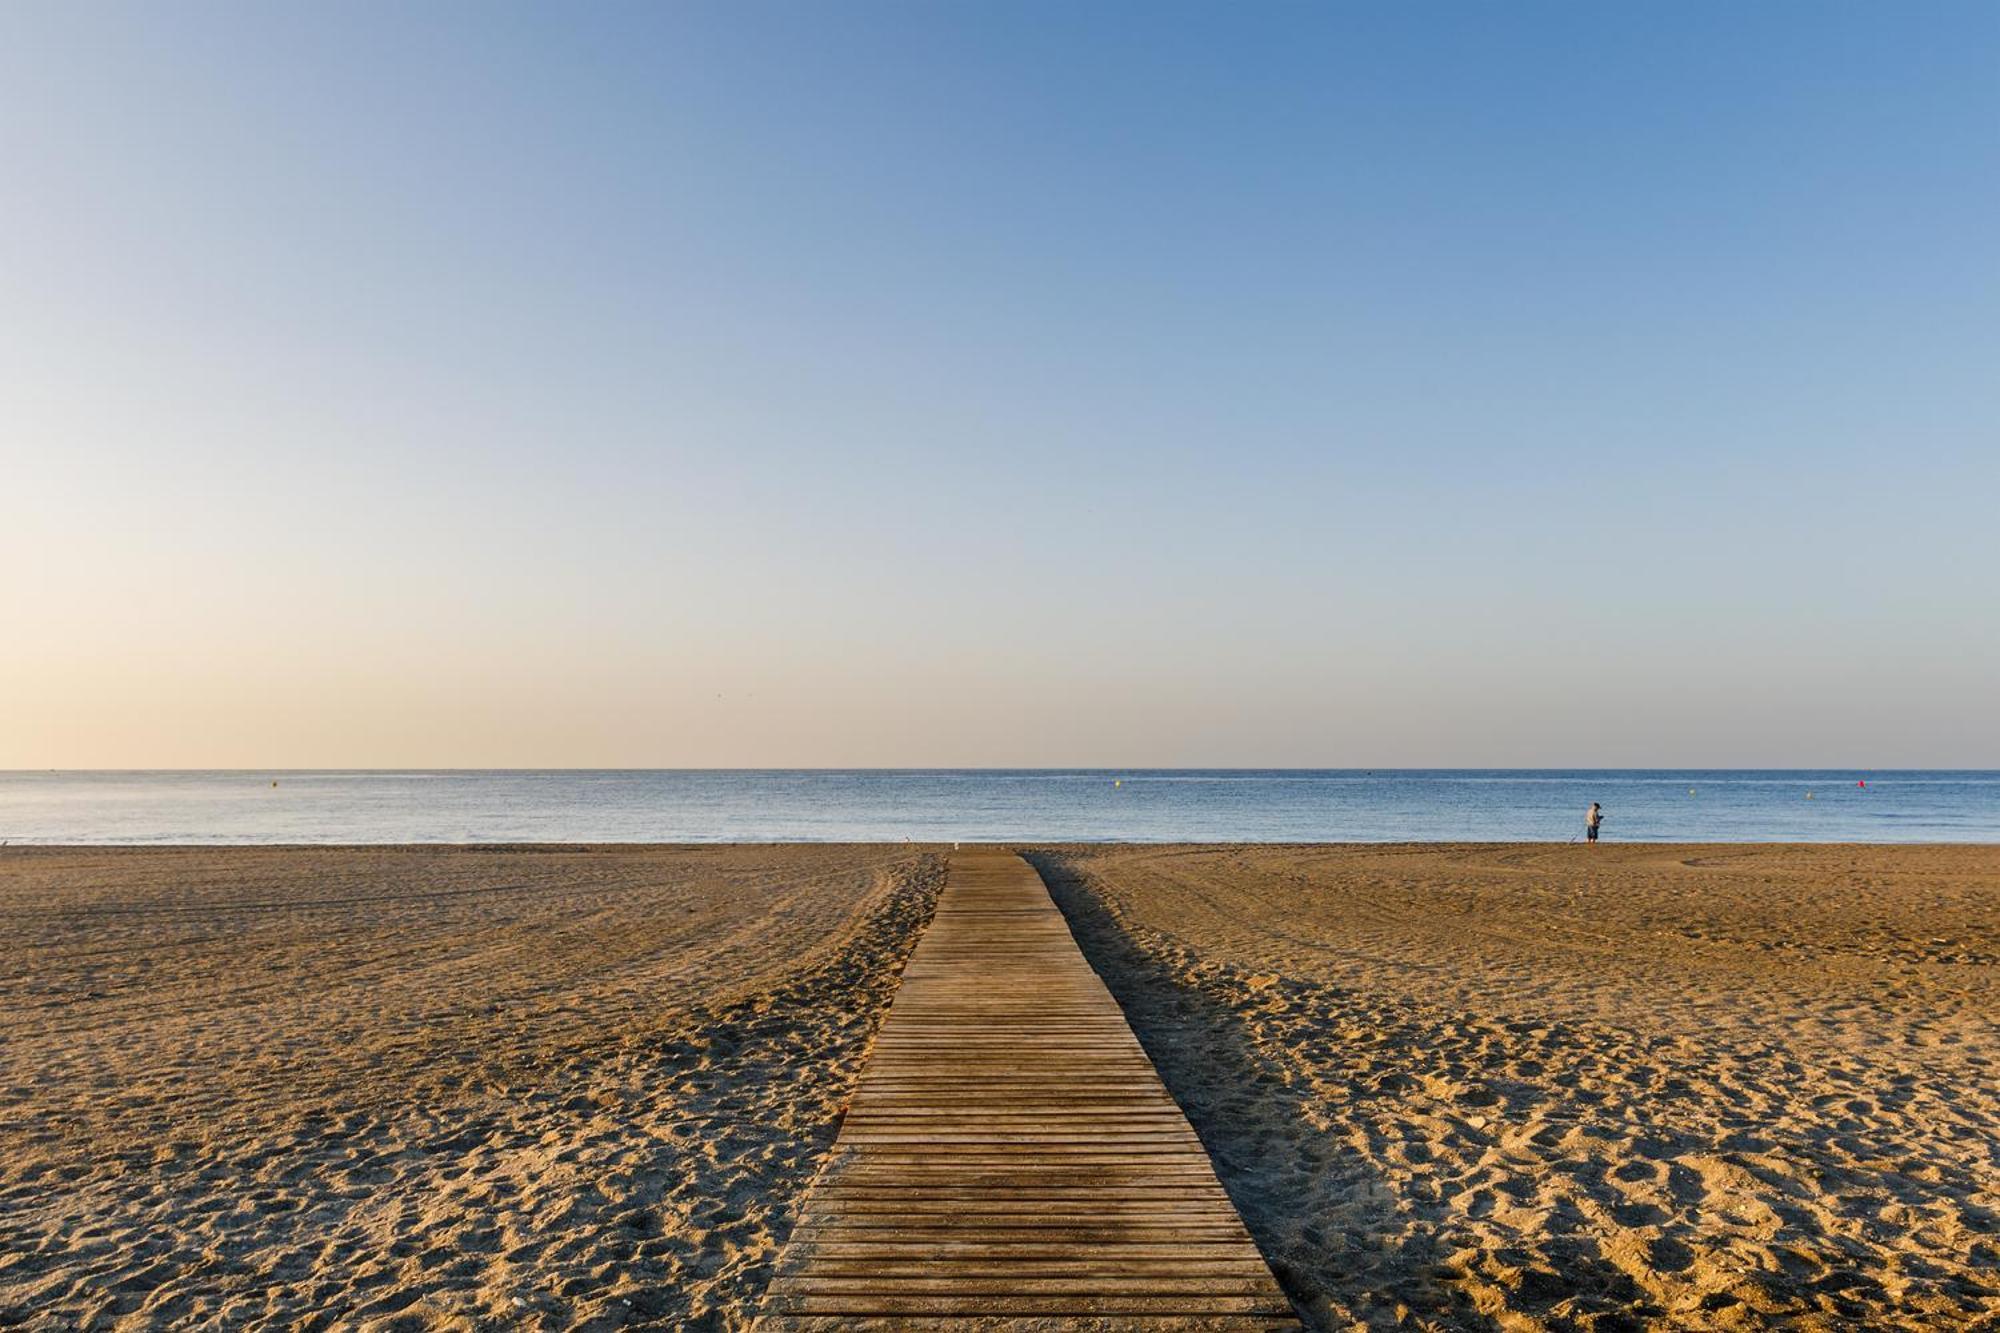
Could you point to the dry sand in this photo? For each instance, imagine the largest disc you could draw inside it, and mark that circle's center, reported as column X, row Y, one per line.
column 426, row 1088
column 1556, row 1087
column 1448, row 1087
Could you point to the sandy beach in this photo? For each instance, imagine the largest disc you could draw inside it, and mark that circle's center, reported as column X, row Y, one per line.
column 1487, row 1087
column 426, row 1088
column 1525, row 1087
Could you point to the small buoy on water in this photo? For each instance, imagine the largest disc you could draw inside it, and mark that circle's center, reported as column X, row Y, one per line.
column 1690, row 791
column 1861, row 783
column 1808, row 796
column 1117, row 782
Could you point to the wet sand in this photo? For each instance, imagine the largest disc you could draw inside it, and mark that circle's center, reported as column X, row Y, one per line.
column 443, row 1088
column 1523, row 1087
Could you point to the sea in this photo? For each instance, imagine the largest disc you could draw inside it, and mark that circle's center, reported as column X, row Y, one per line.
column 1042, row 805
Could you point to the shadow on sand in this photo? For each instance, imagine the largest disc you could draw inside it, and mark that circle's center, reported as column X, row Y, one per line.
column 1350, row 1244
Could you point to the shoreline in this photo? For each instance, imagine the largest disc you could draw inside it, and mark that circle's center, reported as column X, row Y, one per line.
column 1023, row 844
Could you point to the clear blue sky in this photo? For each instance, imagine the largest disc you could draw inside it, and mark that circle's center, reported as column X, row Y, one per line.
column 952, row 384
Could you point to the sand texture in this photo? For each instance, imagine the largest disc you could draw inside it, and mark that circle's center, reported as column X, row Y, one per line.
column 1528, row 1087
column 427, row 1088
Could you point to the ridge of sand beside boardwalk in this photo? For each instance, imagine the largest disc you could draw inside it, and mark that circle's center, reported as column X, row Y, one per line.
column 1540, row 1086
column 415, row 1088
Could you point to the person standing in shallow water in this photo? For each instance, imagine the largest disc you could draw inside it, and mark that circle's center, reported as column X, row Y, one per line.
column 1591, row 819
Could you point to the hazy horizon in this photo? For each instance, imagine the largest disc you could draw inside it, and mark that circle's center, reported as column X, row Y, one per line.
column 1841, row 770
column 905, row 386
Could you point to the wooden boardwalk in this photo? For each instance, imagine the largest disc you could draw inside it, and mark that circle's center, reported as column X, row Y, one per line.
column 1011, row 1159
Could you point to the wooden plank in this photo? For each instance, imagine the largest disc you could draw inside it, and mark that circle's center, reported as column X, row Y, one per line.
column 993, row 1307
column 1011, row 1158
column 1212, row 1323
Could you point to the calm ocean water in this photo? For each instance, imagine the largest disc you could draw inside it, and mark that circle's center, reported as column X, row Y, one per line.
column 989, row 804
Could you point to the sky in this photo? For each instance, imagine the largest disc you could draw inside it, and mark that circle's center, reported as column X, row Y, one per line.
column 999, row 384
